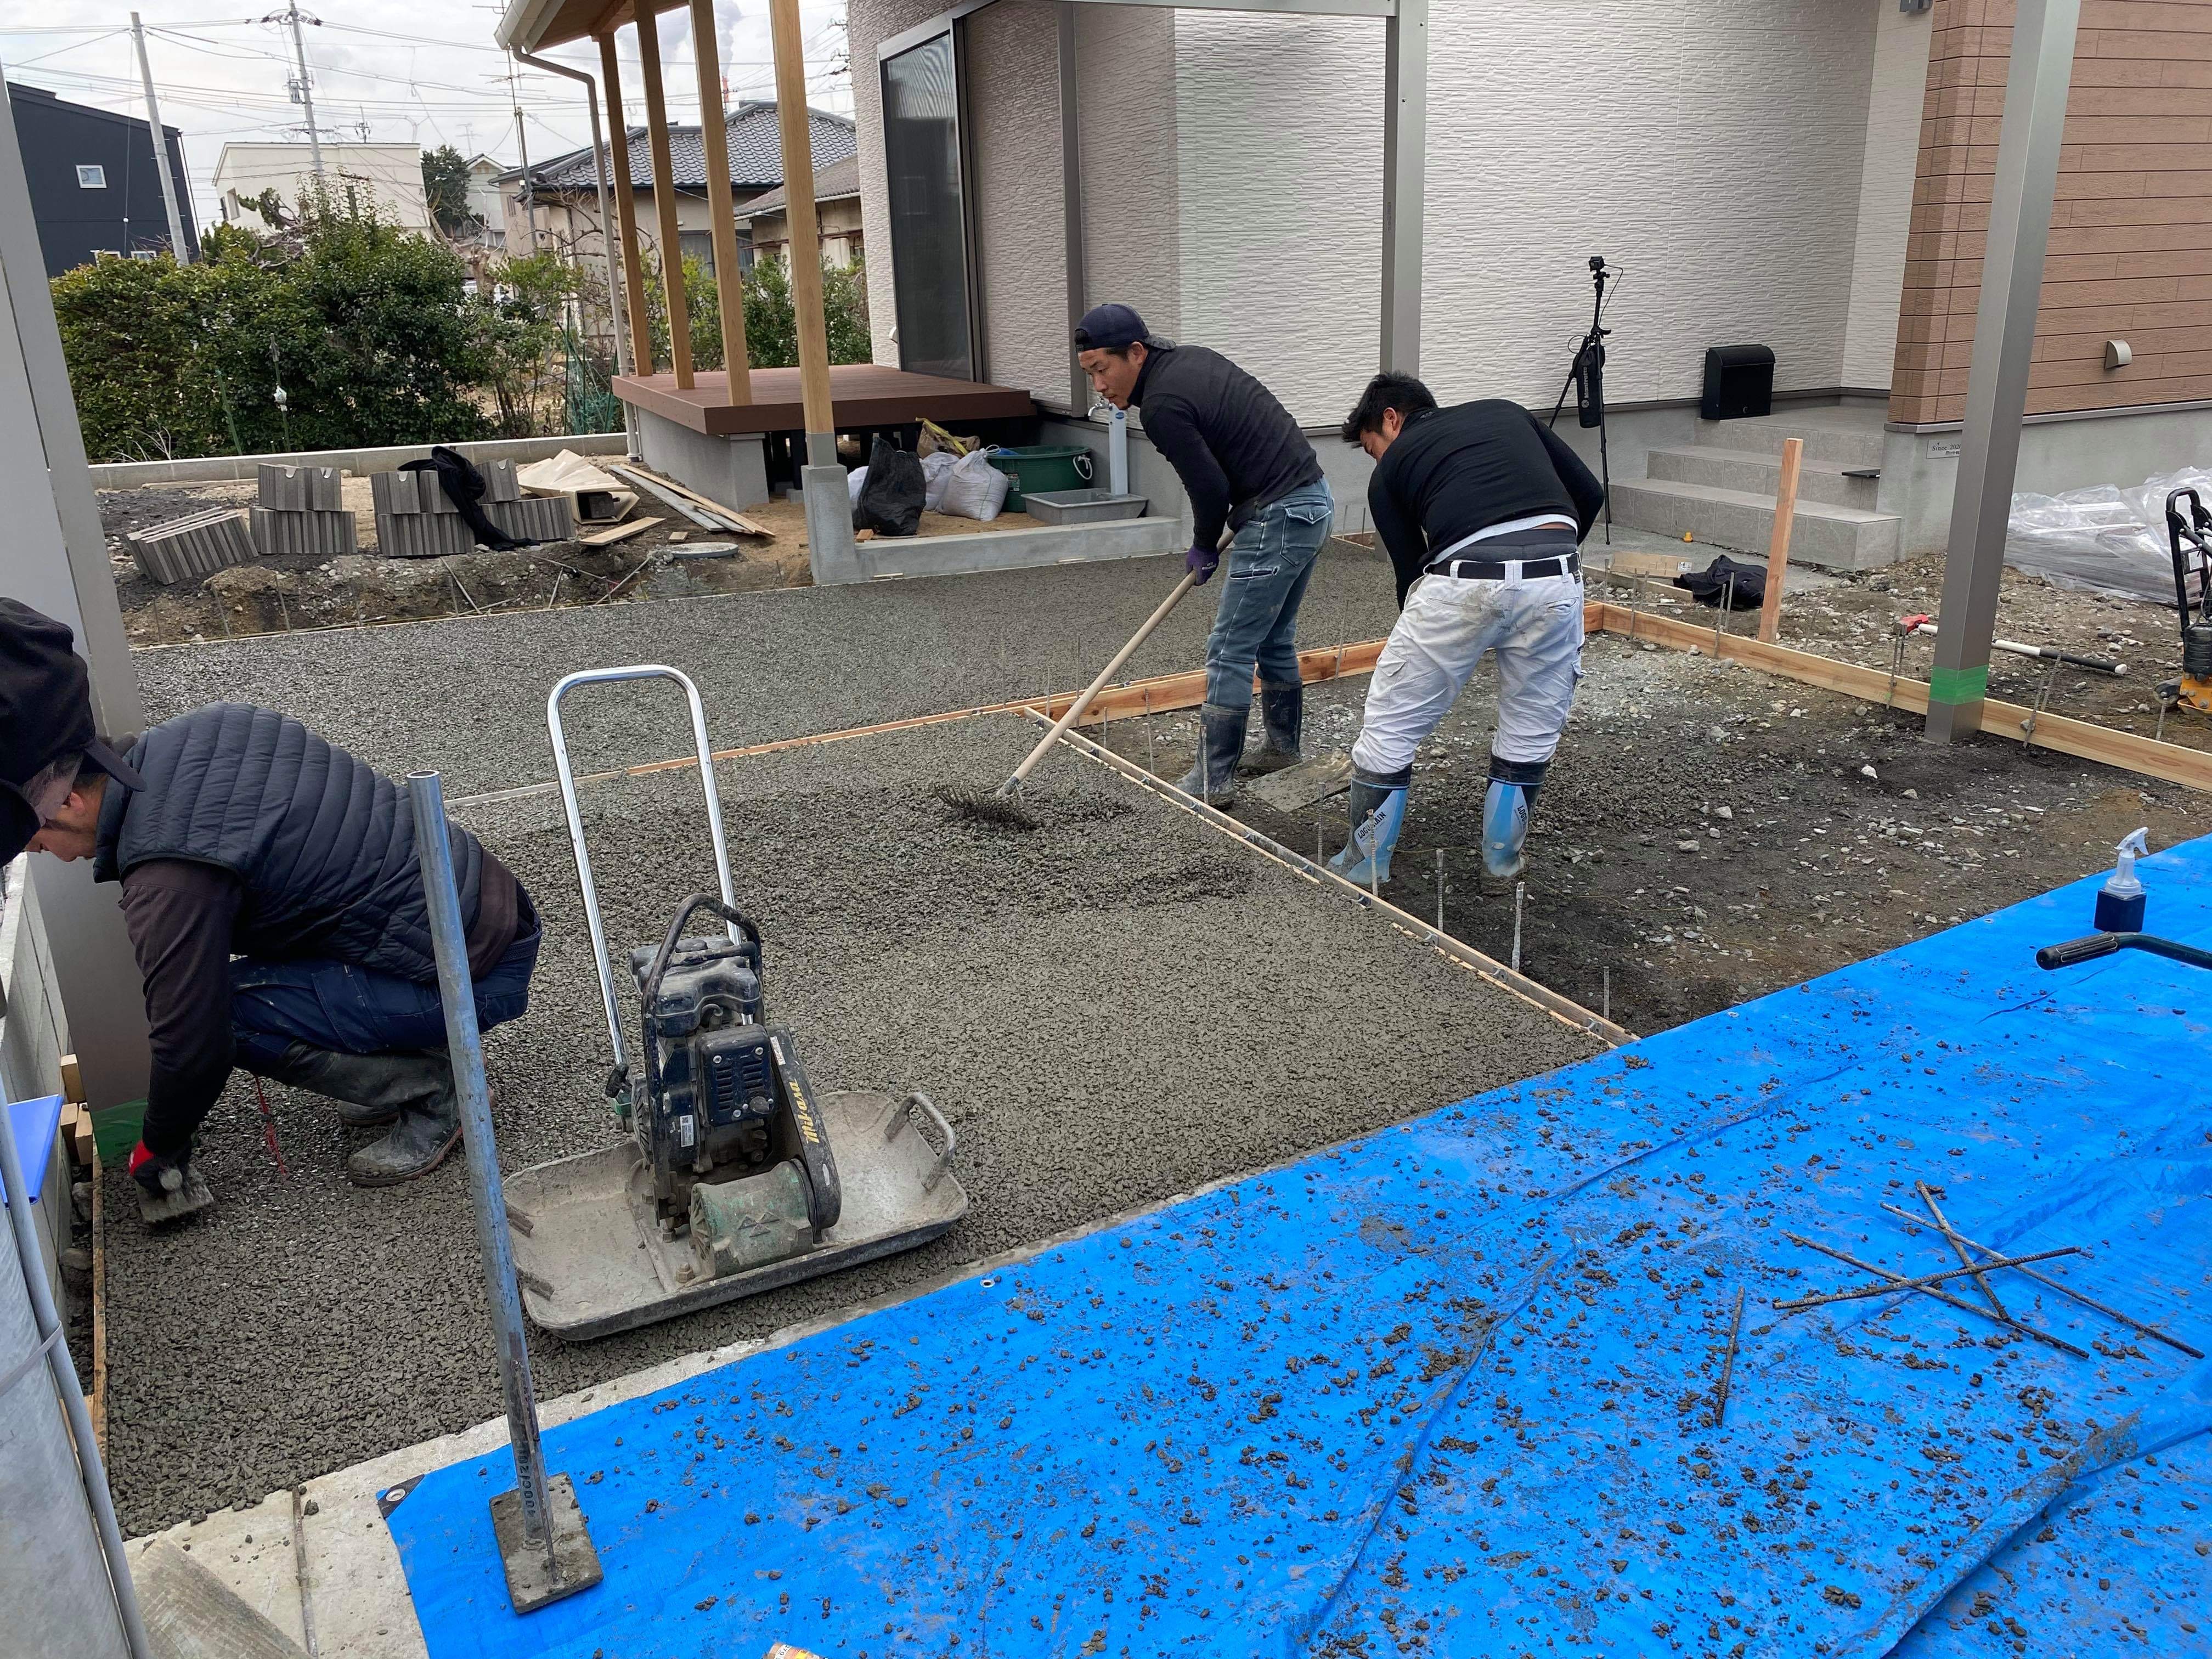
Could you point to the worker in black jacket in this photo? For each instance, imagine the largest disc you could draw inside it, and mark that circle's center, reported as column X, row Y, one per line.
column 275, row 904
column 1244, row 465
column 1481, row 507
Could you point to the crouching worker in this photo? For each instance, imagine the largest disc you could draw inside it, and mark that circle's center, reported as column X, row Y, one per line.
column 1481, row 508
column 274, row 903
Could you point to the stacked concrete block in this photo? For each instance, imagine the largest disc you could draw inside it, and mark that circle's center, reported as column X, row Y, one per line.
column 300, row 509
column 198, row 544
column 415, row 519
column 499, row 482
column 534, row 518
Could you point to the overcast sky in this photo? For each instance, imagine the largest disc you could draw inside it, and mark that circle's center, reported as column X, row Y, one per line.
column 403, row 71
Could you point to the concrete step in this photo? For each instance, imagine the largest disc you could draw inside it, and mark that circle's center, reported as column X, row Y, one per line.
column 1825, row 534
column 1760, row 474
column 1847, row 437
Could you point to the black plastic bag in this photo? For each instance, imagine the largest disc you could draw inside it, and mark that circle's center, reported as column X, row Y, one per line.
column 891, row 501
column 464, row 487
column 1710, row 586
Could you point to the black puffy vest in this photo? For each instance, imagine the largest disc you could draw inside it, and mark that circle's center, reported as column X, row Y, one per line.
column 324, row 846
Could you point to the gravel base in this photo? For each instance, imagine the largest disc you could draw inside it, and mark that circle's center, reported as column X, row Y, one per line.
column 1120, row 1006
column 468, row 696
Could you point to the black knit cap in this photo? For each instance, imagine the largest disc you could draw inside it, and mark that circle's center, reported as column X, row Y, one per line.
column 45, row 715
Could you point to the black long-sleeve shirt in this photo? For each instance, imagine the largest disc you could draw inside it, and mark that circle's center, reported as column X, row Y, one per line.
column 184, row 922
column 1235, row 447
column 1453, row 472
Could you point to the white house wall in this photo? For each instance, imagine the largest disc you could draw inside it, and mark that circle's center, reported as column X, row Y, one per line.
column 1892, row 155
column 1128, row 115
column 1279, row 126
column 1013, row 104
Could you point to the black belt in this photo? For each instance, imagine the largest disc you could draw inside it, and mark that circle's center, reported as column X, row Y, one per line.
column 1492, row 570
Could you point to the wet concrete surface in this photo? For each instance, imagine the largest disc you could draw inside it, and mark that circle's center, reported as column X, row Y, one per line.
column 468, row 696
column 1120, row 1006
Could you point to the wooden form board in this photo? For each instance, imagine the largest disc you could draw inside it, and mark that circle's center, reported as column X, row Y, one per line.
column 620, row 532
column 2125, row 749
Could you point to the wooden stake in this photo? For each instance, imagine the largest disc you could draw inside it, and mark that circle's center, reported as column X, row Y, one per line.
column 664, row 198
column 793, row 124
column 729, row 281
column 640, row 330
column 1777, row 546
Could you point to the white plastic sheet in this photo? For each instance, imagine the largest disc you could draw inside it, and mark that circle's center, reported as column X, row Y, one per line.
column 2105, row 539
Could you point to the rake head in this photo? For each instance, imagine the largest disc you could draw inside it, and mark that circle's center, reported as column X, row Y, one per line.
column 996, row 808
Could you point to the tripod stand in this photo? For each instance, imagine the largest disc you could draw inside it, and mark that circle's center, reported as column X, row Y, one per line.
column 1586, row 375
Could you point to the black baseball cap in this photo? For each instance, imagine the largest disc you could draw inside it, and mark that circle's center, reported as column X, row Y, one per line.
column 1112, row 328
column 45, row 715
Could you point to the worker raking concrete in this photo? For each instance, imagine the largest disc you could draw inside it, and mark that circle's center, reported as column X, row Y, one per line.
column 1244, row 465
column 1481, row 508
column 270, row 891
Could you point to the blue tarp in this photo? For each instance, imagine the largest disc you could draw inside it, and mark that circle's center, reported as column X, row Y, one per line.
column 1449, row 1389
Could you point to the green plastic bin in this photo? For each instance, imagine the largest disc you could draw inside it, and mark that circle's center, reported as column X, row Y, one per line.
column 1042, row 468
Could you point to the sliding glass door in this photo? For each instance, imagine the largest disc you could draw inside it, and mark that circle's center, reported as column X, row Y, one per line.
column 929, row 209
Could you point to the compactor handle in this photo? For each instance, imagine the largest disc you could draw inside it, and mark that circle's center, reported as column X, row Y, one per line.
column 2076, row 951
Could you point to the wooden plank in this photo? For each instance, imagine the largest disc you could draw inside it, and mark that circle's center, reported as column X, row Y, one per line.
column 738, row 520
column 2191, row 768
column 97, row 1404
column 1668, row 565
column 72, row 1079
column 713, row 141
column 619, row 533
column 640, row 334
column 1778, row 545
column 663, row 199
column 861, row 395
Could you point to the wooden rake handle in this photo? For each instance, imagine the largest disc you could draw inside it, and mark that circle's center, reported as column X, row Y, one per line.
column 1075, row 710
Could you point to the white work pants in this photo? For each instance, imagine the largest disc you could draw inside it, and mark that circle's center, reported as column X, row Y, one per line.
column 1536, row 629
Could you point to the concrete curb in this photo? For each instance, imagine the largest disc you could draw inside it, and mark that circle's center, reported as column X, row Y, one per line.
column 244, row 469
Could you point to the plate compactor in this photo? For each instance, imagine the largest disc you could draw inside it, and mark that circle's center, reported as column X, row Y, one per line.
column 735, row 1176
column 2190, row 535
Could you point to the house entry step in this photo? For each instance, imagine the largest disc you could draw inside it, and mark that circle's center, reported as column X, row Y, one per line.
column 1847, row 437
column 1824, row 534
column 1759, row 473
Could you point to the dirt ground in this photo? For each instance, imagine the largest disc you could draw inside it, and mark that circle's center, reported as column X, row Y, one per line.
column 1708, row 834
column 282, row 594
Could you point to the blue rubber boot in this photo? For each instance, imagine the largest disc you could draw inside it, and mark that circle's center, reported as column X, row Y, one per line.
column 1378, row 812
column 1505, row 809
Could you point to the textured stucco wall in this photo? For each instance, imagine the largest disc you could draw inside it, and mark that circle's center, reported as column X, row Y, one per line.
column 1125, row 110
column 1892, row 153
column 1279, row 170
column 1014, row 102
column 1711, row 149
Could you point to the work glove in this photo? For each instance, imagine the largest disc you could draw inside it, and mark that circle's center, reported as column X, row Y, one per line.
column 1201, row 562
column 159, row 1176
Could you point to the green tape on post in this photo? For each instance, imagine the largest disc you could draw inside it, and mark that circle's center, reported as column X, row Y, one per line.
column 1956, row 685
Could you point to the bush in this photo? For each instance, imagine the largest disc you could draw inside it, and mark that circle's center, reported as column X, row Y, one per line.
column 368, row 330
column 771, row 327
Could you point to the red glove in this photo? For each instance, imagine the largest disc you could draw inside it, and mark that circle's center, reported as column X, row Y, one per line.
column 159, row 1175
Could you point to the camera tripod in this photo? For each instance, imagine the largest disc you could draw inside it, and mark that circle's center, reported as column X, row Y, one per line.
column 1586, row 376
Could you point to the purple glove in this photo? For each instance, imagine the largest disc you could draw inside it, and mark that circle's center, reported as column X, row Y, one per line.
column 1201, row 562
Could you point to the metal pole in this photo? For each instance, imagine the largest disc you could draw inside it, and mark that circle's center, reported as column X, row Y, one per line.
column 1405, row 145
column 434, row 852
column 2004, row 341
column 179, row 249
column 522, row 148
column 64, row 1368
column 606, row 223
column 307, row 90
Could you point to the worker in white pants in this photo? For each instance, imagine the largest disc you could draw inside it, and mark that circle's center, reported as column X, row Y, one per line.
column 1481, row 509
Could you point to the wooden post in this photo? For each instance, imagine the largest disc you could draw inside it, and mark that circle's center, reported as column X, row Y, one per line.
column 664, row 198
column 729, row 281
column 640, row 327
column 1778, row 547
column 792, row 121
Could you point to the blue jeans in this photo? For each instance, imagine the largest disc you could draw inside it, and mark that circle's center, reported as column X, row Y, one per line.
column 341, row 1008
column 1267, row 567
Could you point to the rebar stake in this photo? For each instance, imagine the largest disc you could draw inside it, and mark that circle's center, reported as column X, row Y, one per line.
column 1519, row 888
column 1728, row 1363
column 2036, row 713
column 1606, row 1007
column 1440, row 890
column 1152, row 761
column 1721, row 616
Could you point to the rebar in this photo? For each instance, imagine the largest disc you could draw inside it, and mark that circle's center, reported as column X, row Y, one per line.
column 1964, row 1259
column 1721, row 616
column 1440, row 890
column 1859, row 1292
column 1519, row 888
column 2132, row 1323
column 1728, row 1363
column 2036, row 713
column 1942, row 1296
column 1606, row 1006
column 1152, row 761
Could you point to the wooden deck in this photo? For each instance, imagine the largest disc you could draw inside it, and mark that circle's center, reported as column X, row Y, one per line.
column 860, row 394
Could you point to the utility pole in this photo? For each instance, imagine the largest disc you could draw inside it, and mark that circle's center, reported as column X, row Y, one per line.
column 179, row 249
column 302, row 87
column 522, row 144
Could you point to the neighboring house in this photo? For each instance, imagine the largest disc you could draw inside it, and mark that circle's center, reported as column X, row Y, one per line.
column 486, row 202
column 563, row 191
column 95, row 189
column 1799, row 174
column 836, row 212
column 386, row 177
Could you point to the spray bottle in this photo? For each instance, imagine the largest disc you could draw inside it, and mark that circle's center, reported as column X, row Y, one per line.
column 2121, row 901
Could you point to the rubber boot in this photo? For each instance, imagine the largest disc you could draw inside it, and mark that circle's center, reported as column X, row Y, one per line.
column 417, row 1089
column 1282, row 715
column 366, row 1096
column 1221, row 745
column 1505, row 808
column 1378, row 812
